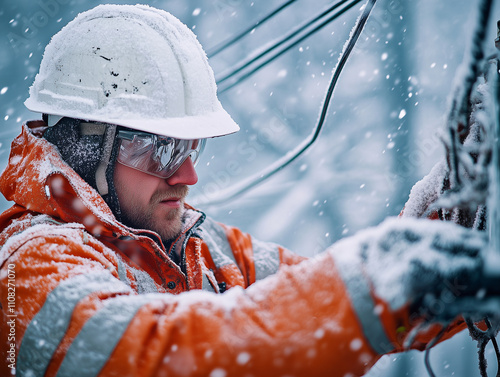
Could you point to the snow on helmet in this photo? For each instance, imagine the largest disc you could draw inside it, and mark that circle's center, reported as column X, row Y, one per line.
column 133, row 66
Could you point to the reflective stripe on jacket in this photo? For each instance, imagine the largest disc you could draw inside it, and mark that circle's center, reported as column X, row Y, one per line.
column 96, row 298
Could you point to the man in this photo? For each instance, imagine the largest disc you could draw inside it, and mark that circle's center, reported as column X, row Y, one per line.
column 100, row 247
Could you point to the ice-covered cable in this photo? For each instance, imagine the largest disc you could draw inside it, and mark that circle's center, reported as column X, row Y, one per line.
column 465, row 194
column 460, row 103
column 459, row 127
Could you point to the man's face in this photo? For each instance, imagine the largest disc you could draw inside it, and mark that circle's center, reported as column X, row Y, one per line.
column 149, row 202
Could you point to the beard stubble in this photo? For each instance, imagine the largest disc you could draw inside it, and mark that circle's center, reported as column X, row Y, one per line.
column 170, row 225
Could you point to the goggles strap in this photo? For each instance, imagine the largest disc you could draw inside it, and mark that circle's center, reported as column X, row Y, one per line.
column 87, row 129
column 100, row 174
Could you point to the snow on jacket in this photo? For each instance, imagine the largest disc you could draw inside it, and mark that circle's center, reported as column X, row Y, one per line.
column 82, row 294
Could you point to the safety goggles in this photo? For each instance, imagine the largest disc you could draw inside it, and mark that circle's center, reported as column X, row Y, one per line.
column 160, row 156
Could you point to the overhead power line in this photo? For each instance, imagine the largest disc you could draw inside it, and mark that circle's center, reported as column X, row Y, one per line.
column 227, row 43
column 242, row 187
column 295, row 37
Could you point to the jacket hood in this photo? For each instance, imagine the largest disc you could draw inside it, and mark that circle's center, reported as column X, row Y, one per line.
column 37, row 179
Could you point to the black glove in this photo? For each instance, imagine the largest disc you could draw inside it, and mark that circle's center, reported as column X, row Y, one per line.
column 425, row 264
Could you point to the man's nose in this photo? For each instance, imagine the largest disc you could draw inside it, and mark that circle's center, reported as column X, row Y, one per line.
column 185, row 175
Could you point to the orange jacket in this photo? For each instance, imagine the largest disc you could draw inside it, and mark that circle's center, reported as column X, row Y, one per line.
column 80, row 291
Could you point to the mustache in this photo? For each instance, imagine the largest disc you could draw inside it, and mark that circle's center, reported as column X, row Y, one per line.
column 170, row 193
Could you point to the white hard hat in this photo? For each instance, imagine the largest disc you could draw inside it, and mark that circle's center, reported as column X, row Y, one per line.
column 133, row 66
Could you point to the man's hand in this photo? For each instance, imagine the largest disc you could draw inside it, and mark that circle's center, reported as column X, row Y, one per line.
column 426, row 265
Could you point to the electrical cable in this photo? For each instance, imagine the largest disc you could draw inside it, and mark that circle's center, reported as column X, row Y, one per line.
column 248, row 62
column 431, row 344
column 228, row 43
column 281, row 52
column 238, row 189
column 279, row 42
column 495, row 344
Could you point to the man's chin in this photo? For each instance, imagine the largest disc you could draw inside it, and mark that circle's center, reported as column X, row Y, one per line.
column 169, row 228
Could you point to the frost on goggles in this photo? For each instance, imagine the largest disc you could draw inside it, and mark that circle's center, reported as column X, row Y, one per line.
column 157, row 155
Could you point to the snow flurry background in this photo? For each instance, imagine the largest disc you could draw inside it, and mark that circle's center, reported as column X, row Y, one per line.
column 380, row 136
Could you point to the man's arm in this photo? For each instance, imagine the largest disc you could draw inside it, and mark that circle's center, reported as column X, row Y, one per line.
column 76, row 314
